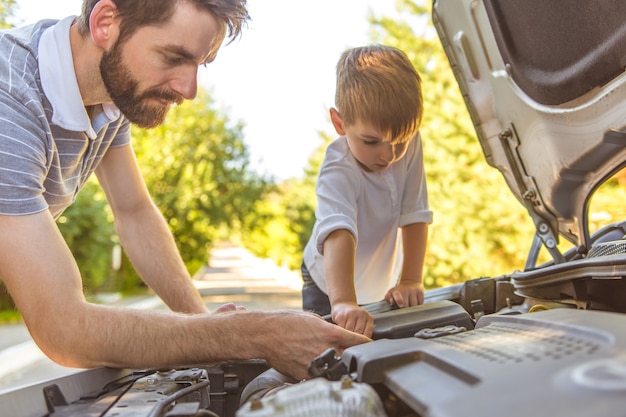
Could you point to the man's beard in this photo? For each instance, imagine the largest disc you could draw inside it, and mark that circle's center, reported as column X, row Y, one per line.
column 140, row 108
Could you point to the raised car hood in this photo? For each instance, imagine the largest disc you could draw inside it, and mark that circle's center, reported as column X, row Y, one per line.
column 545, row 86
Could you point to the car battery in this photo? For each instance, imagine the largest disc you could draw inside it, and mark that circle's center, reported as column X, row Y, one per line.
column 429, row 320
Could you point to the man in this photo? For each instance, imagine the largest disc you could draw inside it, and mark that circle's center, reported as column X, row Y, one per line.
column 68, row 93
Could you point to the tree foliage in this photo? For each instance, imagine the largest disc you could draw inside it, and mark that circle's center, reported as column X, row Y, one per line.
column 88, row 230
column 7, row 10
column 196, row 166
column 281, row 225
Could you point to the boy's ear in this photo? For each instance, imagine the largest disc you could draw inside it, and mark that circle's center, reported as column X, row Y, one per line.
column 103, row 24
column 335, row 118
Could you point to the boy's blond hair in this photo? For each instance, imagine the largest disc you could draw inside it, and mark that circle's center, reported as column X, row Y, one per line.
column 377, row 84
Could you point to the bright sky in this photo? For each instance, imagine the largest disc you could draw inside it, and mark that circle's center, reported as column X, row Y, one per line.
column 278, row 79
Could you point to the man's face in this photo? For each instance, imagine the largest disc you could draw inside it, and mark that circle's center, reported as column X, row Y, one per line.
column 158, row 65
column 144, row 108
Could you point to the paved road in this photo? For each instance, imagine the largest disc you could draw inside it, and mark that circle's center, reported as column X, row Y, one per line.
column 234, row 275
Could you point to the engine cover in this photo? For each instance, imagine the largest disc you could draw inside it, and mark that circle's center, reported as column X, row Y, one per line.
column 572, row 362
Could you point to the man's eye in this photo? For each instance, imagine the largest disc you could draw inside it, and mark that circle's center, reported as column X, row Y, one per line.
column 173, row 60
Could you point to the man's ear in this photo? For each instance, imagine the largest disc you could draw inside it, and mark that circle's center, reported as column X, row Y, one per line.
column 103, row 24
column 335, row 118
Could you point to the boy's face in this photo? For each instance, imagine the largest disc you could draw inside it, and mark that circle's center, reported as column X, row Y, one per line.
column 369, row 146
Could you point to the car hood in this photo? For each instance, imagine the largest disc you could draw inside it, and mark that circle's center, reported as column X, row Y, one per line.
column 545, row 87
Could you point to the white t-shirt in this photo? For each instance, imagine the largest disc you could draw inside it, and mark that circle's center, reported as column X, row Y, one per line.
column 372, row 206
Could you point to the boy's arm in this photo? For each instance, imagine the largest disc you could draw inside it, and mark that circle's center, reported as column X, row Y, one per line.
column 339, row 255
column 410, row 289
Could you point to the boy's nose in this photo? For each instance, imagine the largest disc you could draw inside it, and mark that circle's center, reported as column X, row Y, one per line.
column 388, row 153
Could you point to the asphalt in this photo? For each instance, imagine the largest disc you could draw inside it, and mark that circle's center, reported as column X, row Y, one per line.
column 233, row 275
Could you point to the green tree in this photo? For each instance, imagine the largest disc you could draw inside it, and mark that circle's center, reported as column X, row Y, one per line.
column 7, row 11
column 282, row 223
column 268, row 231
column 87, row 228
column 196, row 167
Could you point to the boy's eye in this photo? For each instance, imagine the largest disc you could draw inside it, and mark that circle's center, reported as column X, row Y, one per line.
column 370, row 140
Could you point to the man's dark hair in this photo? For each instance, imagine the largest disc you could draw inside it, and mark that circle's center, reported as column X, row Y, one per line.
column 135, row 14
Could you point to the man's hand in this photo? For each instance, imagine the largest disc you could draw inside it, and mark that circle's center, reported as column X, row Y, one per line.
column 406, row 294
column 300, row 337
column 354, row 318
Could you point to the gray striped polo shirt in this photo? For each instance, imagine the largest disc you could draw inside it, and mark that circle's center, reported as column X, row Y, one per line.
column 49, row 146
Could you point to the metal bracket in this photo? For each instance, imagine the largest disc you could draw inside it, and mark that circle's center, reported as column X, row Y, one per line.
column 328, row 365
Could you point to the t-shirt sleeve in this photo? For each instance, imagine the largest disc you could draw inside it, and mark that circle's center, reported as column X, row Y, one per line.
column 23, row 157
column 123, row 135
column 337, row 190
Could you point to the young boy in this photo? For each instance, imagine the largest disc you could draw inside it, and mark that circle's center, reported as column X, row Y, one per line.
column 370, row 186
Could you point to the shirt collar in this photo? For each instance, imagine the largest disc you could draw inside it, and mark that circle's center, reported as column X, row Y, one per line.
column 58, row 80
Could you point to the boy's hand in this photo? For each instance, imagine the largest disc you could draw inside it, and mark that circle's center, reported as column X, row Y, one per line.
column 406, row 294
column 352, row 317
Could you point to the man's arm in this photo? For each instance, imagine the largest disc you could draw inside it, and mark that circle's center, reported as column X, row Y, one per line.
column 339, row 258
column 144, row 234
column 43, row 279
column 410, row 289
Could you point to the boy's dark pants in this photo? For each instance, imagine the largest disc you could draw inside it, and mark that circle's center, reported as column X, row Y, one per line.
column 313, row 299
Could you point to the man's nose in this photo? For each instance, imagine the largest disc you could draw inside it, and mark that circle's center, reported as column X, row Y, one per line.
column 186, row 84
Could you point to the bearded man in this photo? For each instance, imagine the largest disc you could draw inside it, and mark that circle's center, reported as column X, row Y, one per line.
column 69, row 91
